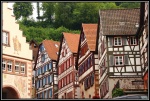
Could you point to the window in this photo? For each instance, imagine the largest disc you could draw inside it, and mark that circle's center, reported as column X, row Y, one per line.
column 22, row 68
column 45, row 68
column 70, row 62
column 51, row 76
column 133, row 40
column 49, row 79
column 43, row 58
column 9, row 65
column 42, row 48
column 4, row 64
column 118, row 60
column 17, row 66
column 50, row 65
column 43, row 81
column 5, row 38
column 50, row 92
column 65, row 66
column 71, row 77
column 117, row 41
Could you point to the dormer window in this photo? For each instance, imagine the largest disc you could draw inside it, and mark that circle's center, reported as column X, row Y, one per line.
column 56, row 45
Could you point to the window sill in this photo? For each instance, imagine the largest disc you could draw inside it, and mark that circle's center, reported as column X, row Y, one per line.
column 7, row 45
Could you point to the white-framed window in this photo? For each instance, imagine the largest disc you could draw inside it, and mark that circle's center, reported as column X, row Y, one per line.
column 118, row 60
column 17, row 67
column 117, row 41
column 4, row 65
column 9, row 66
column 133, row 40
column 22, row 68
column 5, row 38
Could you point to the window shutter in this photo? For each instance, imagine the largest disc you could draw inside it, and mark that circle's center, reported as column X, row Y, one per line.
column 124, row 40
column 92, row 79
column 126, row 60
column 111, row 60
column 110, row 42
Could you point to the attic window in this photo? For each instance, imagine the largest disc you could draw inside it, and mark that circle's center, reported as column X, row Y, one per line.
column 56, row 45
column 121, row 23
column 34, row 45
column 137, row 25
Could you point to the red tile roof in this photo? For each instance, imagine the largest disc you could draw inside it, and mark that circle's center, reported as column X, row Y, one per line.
column 120, row 21
column 90, row 31
column 72, row 41
column 51, row 49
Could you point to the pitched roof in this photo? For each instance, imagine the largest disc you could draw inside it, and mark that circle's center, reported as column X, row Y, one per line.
column 120, row 21
column 72, row 41
column 33, row 41
column 90, row 31
column 51, row 49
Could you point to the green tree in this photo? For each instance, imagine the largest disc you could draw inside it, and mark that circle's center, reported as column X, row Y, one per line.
column 48, row 8
column 130, row 5
column 64, row 14
column 21, row 9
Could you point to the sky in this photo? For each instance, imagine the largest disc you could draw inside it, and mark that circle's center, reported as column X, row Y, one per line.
column 34, row 15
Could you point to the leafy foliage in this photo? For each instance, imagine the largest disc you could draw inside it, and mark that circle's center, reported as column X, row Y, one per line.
column 117, row 92
column 61, row 17
column 21, row 9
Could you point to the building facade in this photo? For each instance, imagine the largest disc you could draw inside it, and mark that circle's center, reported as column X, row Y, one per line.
column 87, row 61
column 34, row 47
column 119, row 52
column 68, row 84
column 16, row 59
column 143, row 40
column 45, row 70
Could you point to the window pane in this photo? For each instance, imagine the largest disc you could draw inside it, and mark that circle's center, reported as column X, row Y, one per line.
column 5, row 37
column 22, row 68
column 4, row 64
column 17, row 67
column 9, row 65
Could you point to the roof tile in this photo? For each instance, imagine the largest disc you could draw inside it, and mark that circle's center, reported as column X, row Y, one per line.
column 90, row 31
column 51, row 49
column 72, row 41
column 120, row 21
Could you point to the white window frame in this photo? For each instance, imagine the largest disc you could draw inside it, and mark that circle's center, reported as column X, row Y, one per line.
column 9, row 64
column 117, row 42
column 21, row 68
column 134, row 40
column 5, row 37
column 117, row 58
column 4, row 63
column 17, row 65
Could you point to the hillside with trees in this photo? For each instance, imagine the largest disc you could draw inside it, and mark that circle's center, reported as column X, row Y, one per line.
column 61, row 17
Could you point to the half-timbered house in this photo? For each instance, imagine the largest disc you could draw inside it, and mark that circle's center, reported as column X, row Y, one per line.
column 143, row 40
column 68, row 86
column 118, row 51
column 45, row 70
column 87, row 61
